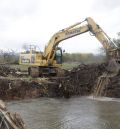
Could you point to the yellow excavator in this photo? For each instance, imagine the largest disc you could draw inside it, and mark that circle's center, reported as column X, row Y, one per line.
column 47, row 62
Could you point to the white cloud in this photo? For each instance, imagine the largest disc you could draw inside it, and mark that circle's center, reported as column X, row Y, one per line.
column 35, row 21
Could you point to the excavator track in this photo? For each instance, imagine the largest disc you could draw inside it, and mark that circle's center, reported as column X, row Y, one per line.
column 42, row 71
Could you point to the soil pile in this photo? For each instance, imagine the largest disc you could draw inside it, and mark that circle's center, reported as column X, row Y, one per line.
column 82, row 79
column 13, row 89
column 113, row 88
column 5, row 71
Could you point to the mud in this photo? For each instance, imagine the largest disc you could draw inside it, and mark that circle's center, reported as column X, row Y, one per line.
column 83, row 80
column 113, row 88
column 6, row 71
column 14, row 89
column 80, row 81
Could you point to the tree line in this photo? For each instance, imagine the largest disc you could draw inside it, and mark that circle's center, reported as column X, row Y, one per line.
column 10, row 56
column 83, row 57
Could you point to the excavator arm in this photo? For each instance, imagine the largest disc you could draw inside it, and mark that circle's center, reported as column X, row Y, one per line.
column 77, row 29
column 46, row 62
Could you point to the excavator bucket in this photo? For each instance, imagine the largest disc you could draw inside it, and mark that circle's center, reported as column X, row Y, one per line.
column 113, row 66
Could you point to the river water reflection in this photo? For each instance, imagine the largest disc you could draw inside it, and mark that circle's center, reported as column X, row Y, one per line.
column 74, row 113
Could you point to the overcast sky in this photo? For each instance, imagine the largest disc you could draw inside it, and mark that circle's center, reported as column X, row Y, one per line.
column 35, row 21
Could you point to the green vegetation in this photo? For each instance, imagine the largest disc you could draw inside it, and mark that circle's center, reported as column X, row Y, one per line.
column 69, row 66
column 83, row 58
column 70, row 60
column 9, row 56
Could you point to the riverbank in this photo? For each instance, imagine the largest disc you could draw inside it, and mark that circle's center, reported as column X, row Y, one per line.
column 80, row 81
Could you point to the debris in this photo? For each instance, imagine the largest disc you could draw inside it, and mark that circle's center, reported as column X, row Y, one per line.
column 5, row 71
column 10, row 120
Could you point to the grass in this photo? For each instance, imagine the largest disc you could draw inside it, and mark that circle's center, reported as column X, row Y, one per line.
column 67, row 66
column 22, row 67
column 70, row 65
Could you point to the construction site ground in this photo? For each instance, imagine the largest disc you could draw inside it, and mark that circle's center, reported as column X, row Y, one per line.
column 82, row 80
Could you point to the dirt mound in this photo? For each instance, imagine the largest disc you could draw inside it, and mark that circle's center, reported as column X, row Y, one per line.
column 5, row 71
column 113, row 87
column 11, row 89
column 79, row 81
column 82, row 79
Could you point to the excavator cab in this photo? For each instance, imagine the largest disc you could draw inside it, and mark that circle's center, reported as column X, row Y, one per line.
column 58, row 55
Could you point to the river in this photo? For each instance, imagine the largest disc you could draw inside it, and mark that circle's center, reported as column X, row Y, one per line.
column 73, row 113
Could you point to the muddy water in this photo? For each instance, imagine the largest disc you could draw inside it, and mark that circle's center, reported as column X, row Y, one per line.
column 74, row 113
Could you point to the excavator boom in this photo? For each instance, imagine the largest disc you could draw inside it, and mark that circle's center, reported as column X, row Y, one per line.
column 52, row 55
column 78, row 29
